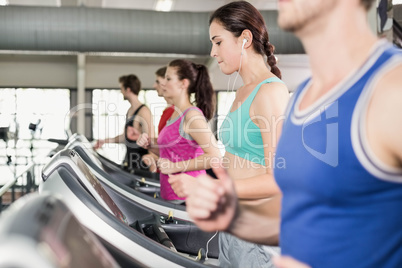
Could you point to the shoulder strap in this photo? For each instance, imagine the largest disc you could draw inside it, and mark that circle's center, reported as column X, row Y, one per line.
column 138, row 109
column 131, row 119
column 181, row 130
column 251, row 97
column 192, row 108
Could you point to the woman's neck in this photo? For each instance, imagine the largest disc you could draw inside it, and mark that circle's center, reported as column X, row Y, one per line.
column 254, row 69
column 182, row 104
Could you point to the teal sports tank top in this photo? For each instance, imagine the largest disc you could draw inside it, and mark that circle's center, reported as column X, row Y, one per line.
column 239, row 134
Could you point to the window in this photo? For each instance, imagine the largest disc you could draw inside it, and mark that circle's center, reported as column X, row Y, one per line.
column 109, row 110
column 224, row 104
column 46, row 110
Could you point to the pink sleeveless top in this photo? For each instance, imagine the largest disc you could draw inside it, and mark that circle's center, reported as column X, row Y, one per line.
column 176, row 145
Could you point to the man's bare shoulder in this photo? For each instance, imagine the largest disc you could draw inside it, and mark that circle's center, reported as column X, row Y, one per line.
column 388, row 89
column 384, row 117
column 144, row 110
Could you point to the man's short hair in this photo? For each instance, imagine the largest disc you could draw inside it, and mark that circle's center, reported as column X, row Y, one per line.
column 131, row 81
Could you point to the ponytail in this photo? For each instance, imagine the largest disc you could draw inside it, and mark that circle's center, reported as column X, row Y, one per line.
column 200, row 84
column 269, row 51
column 204, row 92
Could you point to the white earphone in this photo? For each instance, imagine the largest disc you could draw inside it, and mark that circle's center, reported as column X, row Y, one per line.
column 244, row 42
column 242, row 46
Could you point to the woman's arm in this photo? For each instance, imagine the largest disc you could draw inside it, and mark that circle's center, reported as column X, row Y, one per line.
column 267, row 112
column 213, row 206
column 153, row 146
column 197, row 127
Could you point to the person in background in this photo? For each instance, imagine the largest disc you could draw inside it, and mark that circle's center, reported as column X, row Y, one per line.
column 240, row 43
column 167, row 113
column 186, row 144
column 138, row 120
column 342, row 182
column 151, row 158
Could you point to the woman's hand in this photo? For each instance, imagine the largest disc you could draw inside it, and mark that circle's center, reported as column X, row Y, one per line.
column 143, row 141
column 166, row 166
column 182, row 184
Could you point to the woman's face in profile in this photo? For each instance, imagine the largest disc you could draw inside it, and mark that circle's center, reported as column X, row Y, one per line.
column 225, row 48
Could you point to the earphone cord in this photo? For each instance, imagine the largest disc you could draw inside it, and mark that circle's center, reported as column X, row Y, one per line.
column 234, row 83
column 206, row 253
column 227, row 91
column 238, row 72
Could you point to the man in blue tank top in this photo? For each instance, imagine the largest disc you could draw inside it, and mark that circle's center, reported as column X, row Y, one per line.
column 341, row 142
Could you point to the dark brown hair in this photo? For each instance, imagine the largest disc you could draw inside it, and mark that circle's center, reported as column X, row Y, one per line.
column 238, row 16
column 367, row 3
column 161, row 72
column 131, row 81
column 200, row 84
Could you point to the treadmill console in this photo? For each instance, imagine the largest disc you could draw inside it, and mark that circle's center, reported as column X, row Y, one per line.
column 45, row 233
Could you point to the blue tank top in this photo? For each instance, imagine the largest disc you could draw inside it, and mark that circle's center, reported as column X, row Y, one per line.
column 239, row 134
column 341, row 206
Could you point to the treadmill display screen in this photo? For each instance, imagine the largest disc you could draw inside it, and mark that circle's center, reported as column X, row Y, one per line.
column 65, row 241
column 96, row 189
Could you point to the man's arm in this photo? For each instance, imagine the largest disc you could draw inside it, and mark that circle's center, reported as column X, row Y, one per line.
column 118, row 139
column 146, row 122
column 213, row 205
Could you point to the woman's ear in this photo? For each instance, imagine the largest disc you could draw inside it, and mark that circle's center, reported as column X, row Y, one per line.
column 248, row 36
column 186, row 83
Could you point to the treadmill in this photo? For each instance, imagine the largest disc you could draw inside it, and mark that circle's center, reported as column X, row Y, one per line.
column 128, row 199
column 141, row 193
column 132, row 229
column 139, row 178
column 41, row 231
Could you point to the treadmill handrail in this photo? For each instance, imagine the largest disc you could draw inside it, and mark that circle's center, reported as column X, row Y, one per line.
column 11, row 182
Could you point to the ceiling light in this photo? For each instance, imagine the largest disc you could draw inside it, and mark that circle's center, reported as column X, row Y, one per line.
column 164, row 5
column 3, row 2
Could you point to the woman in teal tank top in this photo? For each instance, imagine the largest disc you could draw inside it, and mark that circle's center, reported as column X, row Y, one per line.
column 251, row 129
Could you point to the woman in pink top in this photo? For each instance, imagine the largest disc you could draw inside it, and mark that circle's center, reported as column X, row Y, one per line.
column 186, row 144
